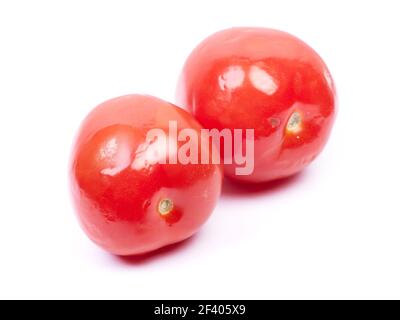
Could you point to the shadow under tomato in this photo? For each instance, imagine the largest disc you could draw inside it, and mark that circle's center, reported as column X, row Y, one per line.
column 236, row 189
column 157, row 254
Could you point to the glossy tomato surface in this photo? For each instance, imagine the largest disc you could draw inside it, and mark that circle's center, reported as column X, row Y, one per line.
column 128, row 200
column 266, row 80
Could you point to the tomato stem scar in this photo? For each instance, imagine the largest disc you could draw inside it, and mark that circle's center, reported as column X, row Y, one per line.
column 294, row 123
column 165, row 206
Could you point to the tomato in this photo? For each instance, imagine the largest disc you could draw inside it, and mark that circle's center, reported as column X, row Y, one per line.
column 266, row 80
column 128, row 201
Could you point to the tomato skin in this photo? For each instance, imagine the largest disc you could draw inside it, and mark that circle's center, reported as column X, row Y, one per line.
column 257, row 78
column 117, row 193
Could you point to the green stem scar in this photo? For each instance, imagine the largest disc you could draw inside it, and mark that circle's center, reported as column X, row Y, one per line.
column 165, row 206
column 294, row 123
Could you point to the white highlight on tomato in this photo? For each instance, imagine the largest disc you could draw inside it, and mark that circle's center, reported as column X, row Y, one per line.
column 117, row 155
column 262, row 80
column 232, row 78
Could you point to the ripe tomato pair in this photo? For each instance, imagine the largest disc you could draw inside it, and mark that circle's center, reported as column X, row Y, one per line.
column 129, row 202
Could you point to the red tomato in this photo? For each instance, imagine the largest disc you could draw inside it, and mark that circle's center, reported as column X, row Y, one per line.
column 127, row 202
column 266, row 80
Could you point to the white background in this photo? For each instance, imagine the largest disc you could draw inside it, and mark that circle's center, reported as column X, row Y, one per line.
column 333, row 232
